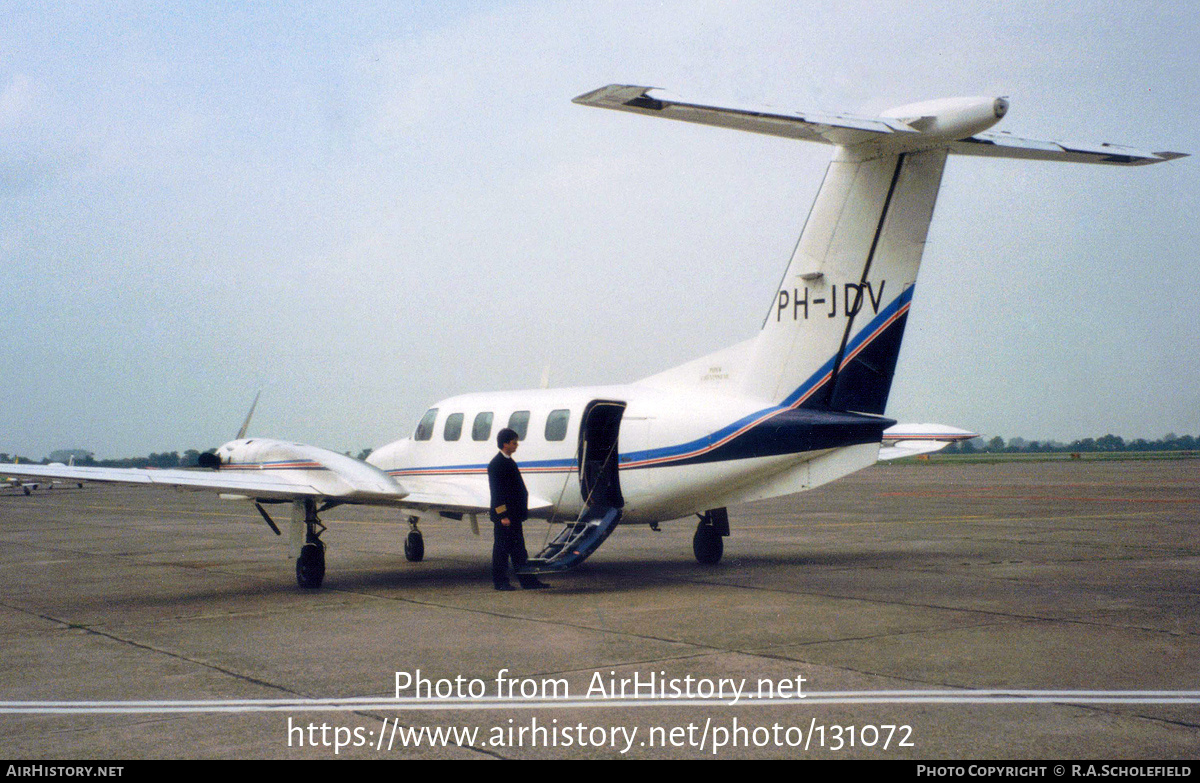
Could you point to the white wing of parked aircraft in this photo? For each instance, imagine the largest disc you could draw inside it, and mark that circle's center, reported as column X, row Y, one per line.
column 796, row 406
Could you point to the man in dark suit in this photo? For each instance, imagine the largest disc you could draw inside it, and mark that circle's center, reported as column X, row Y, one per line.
column 510, row 507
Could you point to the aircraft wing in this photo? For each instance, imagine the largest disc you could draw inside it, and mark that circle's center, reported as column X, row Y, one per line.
column 1004, row 145
column 457, row 495
column 424, row 493
column 265, row 485
column 257, row 484
column 805, row 126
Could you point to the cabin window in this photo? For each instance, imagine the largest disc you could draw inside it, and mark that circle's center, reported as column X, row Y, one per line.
column 556, row 424
column 425, row 428
column 453, row 430
column 482, row 430
column 519, row 423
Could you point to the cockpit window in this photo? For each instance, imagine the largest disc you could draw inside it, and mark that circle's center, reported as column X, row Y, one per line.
column 453, row 430
column 556, row 424
column 425, row 428
column 519, row 423
column 482, row 430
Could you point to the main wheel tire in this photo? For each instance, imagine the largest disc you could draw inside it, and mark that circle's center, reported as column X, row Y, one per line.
column 310, row 566
column 707, row 545
column 414, row 547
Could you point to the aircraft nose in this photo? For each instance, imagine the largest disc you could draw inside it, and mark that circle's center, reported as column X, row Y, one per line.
column 1000, row 107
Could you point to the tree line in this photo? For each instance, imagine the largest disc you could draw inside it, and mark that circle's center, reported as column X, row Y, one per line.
column 1105, row 443
column 167, row 459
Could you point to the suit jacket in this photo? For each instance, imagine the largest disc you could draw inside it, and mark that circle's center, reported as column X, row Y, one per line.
column 509, row 497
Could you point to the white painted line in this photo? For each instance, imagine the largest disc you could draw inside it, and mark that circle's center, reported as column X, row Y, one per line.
column 412, row 704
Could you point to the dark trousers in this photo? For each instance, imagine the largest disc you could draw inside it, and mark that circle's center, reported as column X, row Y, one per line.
column 509, row 543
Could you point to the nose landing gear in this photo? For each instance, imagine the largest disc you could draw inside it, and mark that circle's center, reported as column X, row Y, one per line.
column 310, row 565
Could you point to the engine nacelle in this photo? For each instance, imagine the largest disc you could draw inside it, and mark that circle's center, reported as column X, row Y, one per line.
column 330, row 473
column 268, row 453
column 950, row 118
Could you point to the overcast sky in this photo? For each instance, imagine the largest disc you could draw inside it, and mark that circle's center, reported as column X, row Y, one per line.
column 363, row 208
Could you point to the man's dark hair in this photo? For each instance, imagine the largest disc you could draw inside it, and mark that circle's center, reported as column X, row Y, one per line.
column 504, row 436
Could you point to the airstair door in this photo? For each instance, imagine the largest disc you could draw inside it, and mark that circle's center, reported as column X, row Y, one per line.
column 598, row 475
column 601, row 486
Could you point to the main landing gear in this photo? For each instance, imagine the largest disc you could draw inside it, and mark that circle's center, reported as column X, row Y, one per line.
column 706, row 543
column 310, row 565
column 414, row 545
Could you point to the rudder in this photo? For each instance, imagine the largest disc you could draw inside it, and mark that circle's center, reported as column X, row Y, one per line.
column 832, row 337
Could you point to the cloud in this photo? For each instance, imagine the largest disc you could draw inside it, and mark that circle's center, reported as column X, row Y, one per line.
column 16, row 101
column 379, row 182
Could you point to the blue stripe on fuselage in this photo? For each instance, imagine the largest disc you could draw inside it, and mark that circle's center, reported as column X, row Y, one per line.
column 708, row 442
column 718, row 445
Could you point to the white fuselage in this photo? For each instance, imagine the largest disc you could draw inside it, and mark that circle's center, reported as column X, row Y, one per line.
column 679, row 452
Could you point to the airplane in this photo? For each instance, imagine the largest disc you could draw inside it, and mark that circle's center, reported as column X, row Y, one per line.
column 26, row 487
column 797, row 405
column 29, row 487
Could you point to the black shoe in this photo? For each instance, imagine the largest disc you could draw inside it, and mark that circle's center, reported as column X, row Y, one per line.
column 536, row 584
column 505, row 586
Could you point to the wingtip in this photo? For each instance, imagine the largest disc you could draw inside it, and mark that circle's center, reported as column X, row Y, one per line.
column 611, row 94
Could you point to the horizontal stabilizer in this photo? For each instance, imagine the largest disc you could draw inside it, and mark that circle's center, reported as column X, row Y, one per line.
column 805, row 126
column 955, row 124
column 937, row 432
column 910, row 440
column 1003, row 145
column 910, row 448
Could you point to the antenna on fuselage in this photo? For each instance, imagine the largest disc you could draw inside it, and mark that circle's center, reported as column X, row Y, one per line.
column 246, row 424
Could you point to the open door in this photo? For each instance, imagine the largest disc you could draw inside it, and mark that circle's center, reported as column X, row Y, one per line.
column 598, row 477
column 601, row 486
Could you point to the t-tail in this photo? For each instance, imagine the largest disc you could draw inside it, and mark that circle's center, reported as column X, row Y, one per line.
column 832, row 334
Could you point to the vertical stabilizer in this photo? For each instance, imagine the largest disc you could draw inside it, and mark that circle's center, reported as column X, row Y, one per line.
column 832, row 335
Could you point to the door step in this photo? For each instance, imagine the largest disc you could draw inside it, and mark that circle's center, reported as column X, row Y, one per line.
column 576, row 542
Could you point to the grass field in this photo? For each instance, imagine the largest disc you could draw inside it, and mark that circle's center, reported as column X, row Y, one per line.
column 988, row 457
